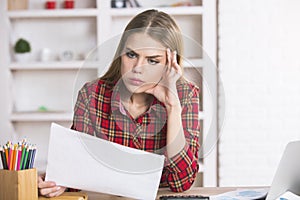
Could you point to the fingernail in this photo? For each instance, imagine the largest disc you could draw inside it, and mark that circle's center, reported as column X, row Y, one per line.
column 58, row 188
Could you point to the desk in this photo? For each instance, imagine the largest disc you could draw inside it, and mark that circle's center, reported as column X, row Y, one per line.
column 165, row 191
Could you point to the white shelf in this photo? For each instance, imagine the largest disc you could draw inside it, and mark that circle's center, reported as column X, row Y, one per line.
column 90, row 12
column 54, row 65
column 41, row 116
column 184, row 10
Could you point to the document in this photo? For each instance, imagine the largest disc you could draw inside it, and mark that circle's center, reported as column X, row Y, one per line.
column 242, row 194
column 81, row 161
column 289, row 196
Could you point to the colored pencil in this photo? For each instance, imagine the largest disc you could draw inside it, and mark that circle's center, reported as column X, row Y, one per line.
column 29, row 156
column 10, row 156
column 32, row 157
column 26, row 157
column 19, row 157
column 23, row 156
column 14, row 157
column 6, row 155
column 3, row 158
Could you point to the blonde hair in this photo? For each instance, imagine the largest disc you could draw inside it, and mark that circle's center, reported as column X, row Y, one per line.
column 159, row 26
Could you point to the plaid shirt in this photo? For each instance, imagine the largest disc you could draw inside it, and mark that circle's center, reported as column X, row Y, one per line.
column 99, row 112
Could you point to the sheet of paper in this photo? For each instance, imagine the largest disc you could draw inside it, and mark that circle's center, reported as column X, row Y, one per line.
column 288, row 196
column 78, row 160
column 242, row 194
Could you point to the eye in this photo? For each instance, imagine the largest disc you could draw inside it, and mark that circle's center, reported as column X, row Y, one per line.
column 152, row 61
column 131, row 54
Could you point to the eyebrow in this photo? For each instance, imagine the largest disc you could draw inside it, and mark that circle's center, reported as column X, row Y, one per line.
column 154, row 56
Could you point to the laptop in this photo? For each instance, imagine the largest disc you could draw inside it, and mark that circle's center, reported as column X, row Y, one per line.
column 287, row 176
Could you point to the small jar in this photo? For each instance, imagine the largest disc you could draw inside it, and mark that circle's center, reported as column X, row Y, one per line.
column 50, row 4
column 69, row 4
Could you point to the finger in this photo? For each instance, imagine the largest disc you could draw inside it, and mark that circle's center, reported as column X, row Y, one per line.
column 169, row 60
column 48, row 191
column 42, row 176
column 175, row 63
column 58, row 192
column 40, row 179
column 46, row 184
column 174, row 60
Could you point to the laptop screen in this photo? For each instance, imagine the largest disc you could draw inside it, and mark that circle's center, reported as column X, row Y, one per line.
column 287, row 176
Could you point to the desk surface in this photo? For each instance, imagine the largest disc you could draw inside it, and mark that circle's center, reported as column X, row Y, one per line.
column 165, row 191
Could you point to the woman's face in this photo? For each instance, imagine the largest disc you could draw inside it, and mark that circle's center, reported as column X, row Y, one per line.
column 142, row 62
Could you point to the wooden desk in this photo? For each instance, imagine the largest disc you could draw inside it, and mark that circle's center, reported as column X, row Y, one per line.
column 165, row 191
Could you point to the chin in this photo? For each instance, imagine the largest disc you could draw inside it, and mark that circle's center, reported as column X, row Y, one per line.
column 140, row 89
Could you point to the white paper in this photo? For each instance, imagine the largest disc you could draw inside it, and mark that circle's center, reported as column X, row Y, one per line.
column 78, row 160
column 241, row 194
column 288, row 196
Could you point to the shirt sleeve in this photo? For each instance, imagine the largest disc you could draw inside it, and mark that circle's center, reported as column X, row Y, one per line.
column 181, row 170
column 81, row 118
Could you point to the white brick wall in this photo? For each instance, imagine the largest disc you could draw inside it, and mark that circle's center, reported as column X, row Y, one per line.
column 260, row 70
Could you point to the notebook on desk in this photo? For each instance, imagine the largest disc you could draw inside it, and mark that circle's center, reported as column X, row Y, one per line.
column 287, row 176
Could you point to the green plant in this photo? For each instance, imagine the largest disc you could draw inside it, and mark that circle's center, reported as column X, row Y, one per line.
column 22, row 46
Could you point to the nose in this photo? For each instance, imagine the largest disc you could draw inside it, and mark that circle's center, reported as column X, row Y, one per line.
column 138, row 66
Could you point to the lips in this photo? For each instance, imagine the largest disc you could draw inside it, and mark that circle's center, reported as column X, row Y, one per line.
column 135, row 81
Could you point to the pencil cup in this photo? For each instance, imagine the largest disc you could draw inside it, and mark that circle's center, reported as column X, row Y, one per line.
column 18, row 185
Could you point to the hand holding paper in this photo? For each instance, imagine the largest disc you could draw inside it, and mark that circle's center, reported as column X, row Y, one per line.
column 81, row 161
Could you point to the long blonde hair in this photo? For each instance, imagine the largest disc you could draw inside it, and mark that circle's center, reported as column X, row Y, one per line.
column 159, row 26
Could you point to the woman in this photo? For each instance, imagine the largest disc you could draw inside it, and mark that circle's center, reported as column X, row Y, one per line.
column 144, row 102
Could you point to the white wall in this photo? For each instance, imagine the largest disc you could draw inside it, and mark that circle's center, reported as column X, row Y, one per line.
column 5, row 128
column 260, row 69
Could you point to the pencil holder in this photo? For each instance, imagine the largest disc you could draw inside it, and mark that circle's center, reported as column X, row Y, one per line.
column 18, row 185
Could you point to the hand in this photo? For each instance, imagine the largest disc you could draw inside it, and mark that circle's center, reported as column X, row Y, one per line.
column 165, row 91
column 49, row 188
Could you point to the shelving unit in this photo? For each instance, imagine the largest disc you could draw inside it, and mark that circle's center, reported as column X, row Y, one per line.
column 88, row 12
column 41, row 117
column 71, row 65
column 54, row 83
column 91, row 24
column 128, row 12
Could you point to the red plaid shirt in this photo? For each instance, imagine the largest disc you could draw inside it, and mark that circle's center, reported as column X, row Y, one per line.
column 99, row 112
